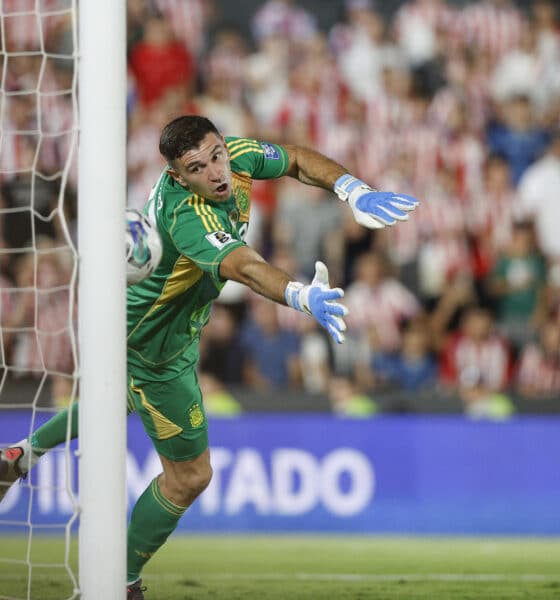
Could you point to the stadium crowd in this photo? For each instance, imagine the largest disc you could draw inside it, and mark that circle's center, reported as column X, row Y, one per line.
column 456, row 105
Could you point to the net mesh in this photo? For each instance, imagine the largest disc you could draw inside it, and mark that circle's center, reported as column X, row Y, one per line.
column 38, row 270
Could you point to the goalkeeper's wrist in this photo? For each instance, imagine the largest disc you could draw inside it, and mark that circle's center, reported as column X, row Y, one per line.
column 296, row 295
column 345, row 185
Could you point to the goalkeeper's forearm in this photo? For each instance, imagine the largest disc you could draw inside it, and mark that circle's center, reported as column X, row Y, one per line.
column 248, row 267
column 313, row 168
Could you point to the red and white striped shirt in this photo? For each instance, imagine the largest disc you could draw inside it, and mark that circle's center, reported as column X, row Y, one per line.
column 188, row 20
column 491, row 28
column 26, row 27
column 436, row 14
column 538, row 373
column 489, row 359
column 384, row 307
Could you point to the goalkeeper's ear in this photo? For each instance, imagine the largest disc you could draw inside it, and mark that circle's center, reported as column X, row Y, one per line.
column 173, row 173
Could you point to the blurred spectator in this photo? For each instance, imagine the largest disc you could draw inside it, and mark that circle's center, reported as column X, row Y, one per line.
column 417, row 25
column 189, row 20
column 413, row 367
column 476, row 363
column 271, row 353
column 22, row 29
column 360, row 48
column 144, row 162
column 221, row 351
column 476, row 356
column 347, row 401
column 305, row 220
column 490, row 214
column 443, row 251
column 538, row 374
column 44, row 319
column 518, row 72
column 516, row 136
column 493, row 26
column 266, row 78
column 538, row 199
column 283, row 18
column 313, row 99
column 552, row 289
column 547, row 34
column 159, row 62
column 517, row 282
column 316, row 357
column 221, row 98
column 376, row 299
column 218, row 400
column 461, row 151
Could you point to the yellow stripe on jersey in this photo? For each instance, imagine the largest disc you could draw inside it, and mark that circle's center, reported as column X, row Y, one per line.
column 238, row 153
column 212, row 217
column 184, row 275
column 197, row 210
column 242, row 143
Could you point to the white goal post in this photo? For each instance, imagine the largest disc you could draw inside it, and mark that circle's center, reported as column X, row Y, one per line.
column 101, row 299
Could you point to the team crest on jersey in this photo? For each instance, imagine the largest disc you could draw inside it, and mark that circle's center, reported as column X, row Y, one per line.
column 270, row 151
column 196, row 417
column 242, row 194
column 219, row 239
column 242, row 200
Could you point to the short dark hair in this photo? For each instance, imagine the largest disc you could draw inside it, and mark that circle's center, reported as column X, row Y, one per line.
column 183, row 134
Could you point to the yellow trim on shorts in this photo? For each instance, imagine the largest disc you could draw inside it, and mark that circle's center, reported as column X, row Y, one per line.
column 165, row 428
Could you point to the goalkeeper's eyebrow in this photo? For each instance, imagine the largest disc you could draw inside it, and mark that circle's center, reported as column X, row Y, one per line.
column 198, row 163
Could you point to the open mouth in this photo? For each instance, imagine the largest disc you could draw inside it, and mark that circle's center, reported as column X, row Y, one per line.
column 222, row 188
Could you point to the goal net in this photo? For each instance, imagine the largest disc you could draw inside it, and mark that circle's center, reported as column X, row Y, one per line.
column 39, row 318
column 38, row 183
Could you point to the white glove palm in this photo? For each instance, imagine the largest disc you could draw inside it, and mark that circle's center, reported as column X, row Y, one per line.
column 371, row 208
column 317, row 300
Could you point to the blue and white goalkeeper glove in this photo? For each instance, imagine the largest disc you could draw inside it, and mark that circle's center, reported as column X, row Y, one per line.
column 371, row 208
column 318, row 300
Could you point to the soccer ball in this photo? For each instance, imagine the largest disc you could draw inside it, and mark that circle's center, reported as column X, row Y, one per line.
column 143, row 246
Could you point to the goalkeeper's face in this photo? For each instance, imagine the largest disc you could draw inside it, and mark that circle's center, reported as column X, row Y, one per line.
column 205, row 170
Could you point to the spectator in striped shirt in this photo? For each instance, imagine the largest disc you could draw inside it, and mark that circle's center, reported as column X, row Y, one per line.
column 377, row 300
column 475, row 363
column 538, row 374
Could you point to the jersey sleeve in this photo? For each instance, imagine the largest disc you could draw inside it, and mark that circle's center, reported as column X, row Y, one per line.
column 198, row 234
column 261, row 160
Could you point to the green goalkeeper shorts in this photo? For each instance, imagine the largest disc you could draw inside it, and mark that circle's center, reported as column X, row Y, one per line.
column 172, row 413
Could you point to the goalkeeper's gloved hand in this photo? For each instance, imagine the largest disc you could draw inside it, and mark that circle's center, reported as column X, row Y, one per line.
column 371, row 208
column 317, row 300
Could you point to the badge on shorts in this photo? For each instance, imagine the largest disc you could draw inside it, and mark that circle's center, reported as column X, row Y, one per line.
column 196, row 417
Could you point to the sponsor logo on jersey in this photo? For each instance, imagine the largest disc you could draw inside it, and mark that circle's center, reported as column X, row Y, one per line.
column 219, row 239
column 196, row 417
column 270, row 151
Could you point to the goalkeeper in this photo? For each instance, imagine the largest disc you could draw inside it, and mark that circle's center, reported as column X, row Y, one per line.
column 201, row 204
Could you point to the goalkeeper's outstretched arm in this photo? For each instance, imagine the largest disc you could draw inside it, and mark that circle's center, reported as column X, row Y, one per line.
column 371, row 208
column 317, row 299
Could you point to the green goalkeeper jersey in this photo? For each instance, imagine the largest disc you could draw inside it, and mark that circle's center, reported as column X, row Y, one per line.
column 167, row 311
